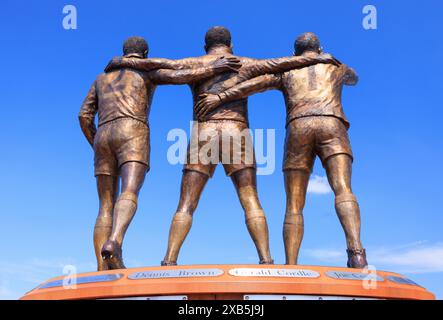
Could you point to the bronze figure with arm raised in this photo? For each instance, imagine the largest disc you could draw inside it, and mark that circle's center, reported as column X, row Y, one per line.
column 230, row 119
column 122, row 98
column 316, row 126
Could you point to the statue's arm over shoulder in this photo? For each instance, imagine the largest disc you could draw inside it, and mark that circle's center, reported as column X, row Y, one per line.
column 162, row 63
column 191, row 75
column 87, row 114
column 350, row 77
column 187, row 63
column 185, row 76
column 209, row 102
column 149, row 64
column 250, row 87
column 279, row 65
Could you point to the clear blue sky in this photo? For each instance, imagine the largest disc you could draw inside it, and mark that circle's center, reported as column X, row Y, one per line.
column 49, row 203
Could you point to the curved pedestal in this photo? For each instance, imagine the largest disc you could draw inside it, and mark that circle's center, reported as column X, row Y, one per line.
column 237, row 282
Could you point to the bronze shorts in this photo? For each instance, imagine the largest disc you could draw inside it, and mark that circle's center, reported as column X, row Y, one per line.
column 311, row 136
column 120, row 141
column 225, row 141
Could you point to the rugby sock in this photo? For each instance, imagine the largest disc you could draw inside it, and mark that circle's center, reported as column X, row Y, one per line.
column 180, row 226
column 258, row 229
column 124, row 211
column 102, row 232
column 348, row 212
column 293, row 230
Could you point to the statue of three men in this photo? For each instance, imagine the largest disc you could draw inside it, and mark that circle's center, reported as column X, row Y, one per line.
column 220, row 82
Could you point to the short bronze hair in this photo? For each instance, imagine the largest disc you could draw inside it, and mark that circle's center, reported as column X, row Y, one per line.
column 217, row 36
column 135, row 45
column 307, row 41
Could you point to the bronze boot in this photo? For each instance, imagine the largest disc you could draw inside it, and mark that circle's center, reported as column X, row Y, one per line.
column 112, row 255
column 357, row 258
column 165, row 263
column 265, row 261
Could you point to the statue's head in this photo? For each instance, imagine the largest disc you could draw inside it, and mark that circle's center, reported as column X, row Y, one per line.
column 217, row 37
column 306, row 42
column 136, row 45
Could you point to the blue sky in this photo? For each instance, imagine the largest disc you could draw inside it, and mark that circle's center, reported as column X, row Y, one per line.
column 49, row 202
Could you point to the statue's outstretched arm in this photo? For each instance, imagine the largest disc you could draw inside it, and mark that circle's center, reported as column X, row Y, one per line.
column 186, row 76
column 142, row 64
column 280, row 65
column 209, row 102
column 151, row 64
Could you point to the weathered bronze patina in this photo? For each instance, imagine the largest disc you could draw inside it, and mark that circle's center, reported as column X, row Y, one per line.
column 316, row 126
column 232, row 119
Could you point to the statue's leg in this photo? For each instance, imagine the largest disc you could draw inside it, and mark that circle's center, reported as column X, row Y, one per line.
column 132, row 177
column 192, row 185
column 339, row 170
column 296, row 183
column 299, row 157
column 107, row 187
column 246, row 185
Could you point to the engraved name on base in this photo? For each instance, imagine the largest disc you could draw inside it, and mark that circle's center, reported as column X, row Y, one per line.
column 178, row 273
column 265, row 272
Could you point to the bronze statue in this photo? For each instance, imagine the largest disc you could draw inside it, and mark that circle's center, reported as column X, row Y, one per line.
column 231, row 118
column 316, row 125
column 122, row 99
